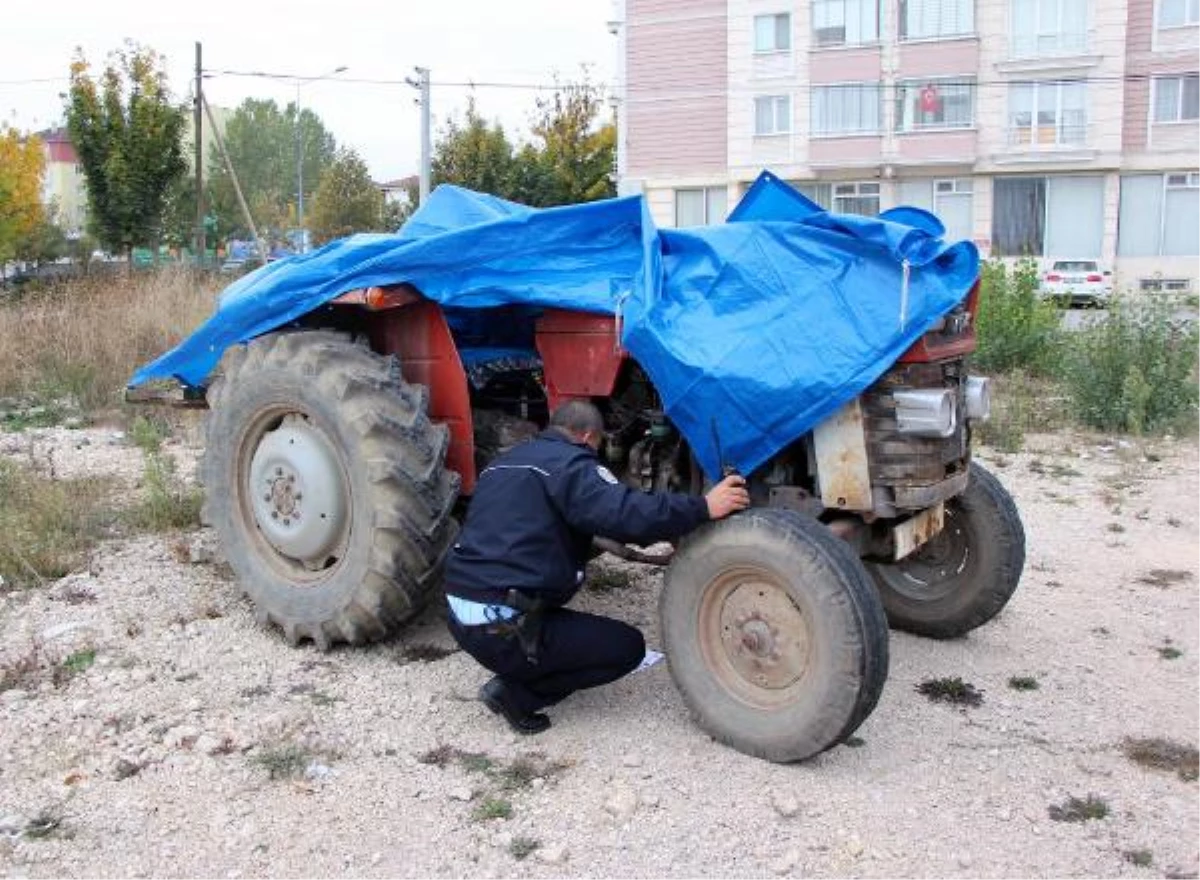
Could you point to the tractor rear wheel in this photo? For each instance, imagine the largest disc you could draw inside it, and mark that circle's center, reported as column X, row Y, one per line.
column 326, row 484
column 965, row 575
column 774, row 634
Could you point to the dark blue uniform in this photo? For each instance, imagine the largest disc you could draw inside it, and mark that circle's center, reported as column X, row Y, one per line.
column 530, row 528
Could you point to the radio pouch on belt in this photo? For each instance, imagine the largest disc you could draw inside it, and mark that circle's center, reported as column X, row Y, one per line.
column 529, row 625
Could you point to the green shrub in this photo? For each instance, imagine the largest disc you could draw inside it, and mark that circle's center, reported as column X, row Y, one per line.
column 1016, row 328
column 47, row 525
column 168, row 503
column 1133, row 370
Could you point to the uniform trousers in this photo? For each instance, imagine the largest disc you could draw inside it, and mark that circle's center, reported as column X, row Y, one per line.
column 577, row 650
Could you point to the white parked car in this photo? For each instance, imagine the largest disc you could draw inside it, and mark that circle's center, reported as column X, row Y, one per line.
column 1077, row 282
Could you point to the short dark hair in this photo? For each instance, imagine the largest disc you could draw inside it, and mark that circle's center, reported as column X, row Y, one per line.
column 578, row 417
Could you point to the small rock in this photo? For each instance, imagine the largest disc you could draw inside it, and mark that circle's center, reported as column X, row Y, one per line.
column 786, row 862
column 854, row 846
column 200, row 550
column 461, row 794
column 650, row 800
column 124, row 768
column 1005, row 815
column 621, row 803
column 12, row 824
column 181, row 737
column 633, row 759
column 538, row 783
column 555, row 854
column 785, row 804
column 208, row 744
column 15, row 695
column 62, row 630
column 964, row 861
column 317, row 770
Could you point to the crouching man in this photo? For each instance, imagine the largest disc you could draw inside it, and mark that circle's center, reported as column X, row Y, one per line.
column 520, row 560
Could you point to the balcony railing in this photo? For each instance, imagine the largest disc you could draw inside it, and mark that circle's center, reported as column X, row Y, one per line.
column 1023, row 46
column 1047, row 137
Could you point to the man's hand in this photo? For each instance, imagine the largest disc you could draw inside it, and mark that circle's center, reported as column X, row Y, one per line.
column 727, row 497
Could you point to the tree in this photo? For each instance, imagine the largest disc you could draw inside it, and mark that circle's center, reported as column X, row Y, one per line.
column 22, row 164
column 347, row 200
column 474, row 154
column 574, row 154
column 569, row 158
column 262, row 143
column 127, row 133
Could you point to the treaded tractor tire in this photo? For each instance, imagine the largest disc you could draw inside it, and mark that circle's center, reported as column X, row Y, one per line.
column 774, row 634
column 325, row 481
column 967, row 573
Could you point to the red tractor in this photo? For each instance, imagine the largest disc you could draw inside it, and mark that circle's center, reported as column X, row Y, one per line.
column 340, row 450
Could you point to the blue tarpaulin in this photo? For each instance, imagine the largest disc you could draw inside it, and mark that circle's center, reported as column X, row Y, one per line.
column 758, row 328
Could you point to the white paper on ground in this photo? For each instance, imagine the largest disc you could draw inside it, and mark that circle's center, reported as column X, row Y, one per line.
column 649, row 660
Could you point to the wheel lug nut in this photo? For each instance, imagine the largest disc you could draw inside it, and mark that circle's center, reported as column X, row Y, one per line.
column 287, row 522
column 279, row 472
column 298, row 496
column 267, row 496
column 274, row 514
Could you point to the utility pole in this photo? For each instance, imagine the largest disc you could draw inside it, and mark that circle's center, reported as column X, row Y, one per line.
column 237, row 187
column 201, row 246
column 422, row 84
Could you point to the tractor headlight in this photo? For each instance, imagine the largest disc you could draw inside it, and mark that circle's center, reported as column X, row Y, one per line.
column 926, row 412
column 979, row 398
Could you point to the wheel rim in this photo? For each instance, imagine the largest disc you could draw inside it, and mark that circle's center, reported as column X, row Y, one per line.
column 755, row 640
column 932, row 572
column 296, row 495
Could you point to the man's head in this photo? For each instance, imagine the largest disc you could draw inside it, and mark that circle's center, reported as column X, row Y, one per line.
column 581, row 420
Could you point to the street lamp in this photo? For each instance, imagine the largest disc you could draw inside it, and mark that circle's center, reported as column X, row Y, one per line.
column 300, row 153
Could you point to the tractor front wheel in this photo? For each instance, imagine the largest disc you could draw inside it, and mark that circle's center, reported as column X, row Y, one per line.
column 773, row 634
column 965, row 574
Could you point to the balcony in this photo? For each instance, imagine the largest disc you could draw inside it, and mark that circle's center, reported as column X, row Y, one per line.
column 1053, row 52
column 1046, row 143
column 1047, row 136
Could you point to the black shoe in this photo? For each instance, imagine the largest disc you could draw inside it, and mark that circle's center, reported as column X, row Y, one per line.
column 492, row 695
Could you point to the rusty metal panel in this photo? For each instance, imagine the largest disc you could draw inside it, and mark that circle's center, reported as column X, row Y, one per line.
column 843, row 468
column 915, row 531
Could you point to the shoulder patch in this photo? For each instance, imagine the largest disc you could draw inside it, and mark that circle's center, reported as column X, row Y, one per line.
column 606, row 475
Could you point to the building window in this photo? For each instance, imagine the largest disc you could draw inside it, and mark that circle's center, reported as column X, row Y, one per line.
column 1159, row 216
column 1178, row 13
column 953, row 204
column 1047, row 114
column 1176, row 98
column 701, row 206
column 1048, row 27
column 772, row 33
column 821, row 193
column 931, row 19
column 856, row 198
column 772, row 115
column 845, row 22
column 1048, row 216
column 934, row 104
column 846, row 109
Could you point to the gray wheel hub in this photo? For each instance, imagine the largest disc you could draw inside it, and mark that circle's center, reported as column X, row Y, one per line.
column 298, row 492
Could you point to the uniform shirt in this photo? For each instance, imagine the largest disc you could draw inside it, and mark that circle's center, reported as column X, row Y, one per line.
column 535, row 510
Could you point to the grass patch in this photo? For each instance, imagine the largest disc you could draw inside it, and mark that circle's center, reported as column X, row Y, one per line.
column 1135, row 371
column 492, row 807
column 1163, row 754
column 1139, row 858
column 1169, row 652
column 855, row 742
column 147, row 433
column 286, row 761
column 1166, row 577
column 1016, row 328
column 47, row 525
column 46, row 823
column 79, row 662
column 1079, row 809
column 80, row 340
column 523, row 847
column 1021, row 404
column 603, row 579
column 951, row 690
column 424, row 653
column 167, row 503
column 1023, row 683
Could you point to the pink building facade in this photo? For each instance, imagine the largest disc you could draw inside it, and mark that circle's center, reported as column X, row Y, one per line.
column 1032, row 127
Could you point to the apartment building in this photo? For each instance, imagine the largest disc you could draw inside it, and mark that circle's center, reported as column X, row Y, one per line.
column 63, row 186
column 1032, row 127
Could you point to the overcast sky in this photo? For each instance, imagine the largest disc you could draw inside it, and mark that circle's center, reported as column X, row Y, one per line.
column 482, row 41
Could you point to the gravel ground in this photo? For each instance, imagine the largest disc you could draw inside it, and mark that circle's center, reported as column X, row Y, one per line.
column 158, row 760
